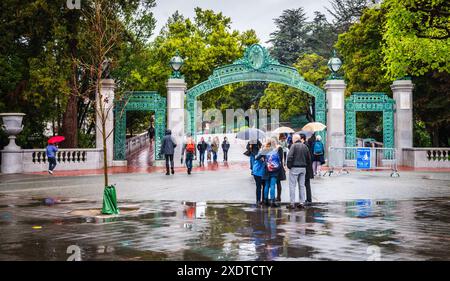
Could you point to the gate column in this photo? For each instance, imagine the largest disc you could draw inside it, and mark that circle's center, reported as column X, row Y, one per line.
column 335, row 112
column 107, row 94
column 403, row 119
column 176, row 89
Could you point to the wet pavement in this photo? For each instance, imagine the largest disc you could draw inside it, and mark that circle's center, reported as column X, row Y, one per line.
column 415, row 229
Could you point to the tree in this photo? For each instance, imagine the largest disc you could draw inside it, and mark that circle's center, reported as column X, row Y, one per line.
column 289, row 40
column 348, row 12
column 416, row 37
column 322, row 37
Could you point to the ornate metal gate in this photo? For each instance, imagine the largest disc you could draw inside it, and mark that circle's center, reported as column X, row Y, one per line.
column 369, row 102
column 256, row 65
column 138, row 101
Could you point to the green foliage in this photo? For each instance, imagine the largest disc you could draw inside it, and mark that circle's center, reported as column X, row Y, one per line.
column 292, row 102
column 416, row 37
column 360, row 49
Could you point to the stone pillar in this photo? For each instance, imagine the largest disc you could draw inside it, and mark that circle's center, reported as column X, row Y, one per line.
column 176, row 89
column 335, row 113
column 107, row 96
column 403, row 118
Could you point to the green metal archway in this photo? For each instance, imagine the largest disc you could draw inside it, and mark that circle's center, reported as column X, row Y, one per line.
column 138, row 101
column 369, row 101
column 256, row 65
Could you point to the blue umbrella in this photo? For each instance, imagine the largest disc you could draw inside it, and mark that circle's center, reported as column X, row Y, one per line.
column 251, row 134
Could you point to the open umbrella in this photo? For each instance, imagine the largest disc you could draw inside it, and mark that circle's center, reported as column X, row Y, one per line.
column 56, row 139
column 282, row 130
column 308, row 134
column 314, row 127
column 251, row 134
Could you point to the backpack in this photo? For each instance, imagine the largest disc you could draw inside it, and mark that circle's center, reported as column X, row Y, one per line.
column 318, row 148
column 190, row 147
column 273, row 161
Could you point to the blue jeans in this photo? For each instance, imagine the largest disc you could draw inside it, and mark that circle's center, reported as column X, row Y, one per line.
column 202, row 157
column 214, row 156
column 189, row 158
column 270, row 186
column 259, row 187
column 51, row 163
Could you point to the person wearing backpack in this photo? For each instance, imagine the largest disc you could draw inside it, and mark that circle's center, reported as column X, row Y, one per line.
column 318, row 155
column 190, row 153
column 273, row 163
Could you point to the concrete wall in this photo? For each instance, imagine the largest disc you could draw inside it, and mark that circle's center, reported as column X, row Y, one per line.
column 426, row 157
column 35, row 160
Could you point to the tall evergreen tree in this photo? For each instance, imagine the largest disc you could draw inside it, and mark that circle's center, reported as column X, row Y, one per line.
column 289, row 40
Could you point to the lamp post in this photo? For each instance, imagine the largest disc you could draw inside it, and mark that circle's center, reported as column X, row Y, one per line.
column 334, row 64
column 176, row 63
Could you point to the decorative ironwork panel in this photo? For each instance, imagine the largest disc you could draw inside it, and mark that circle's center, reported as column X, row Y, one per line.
column 138, row 101
column 369, row 101
column 256, row 65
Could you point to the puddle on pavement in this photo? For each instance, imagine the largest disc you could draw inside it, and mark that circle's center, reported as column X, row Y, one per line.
column 171, row 230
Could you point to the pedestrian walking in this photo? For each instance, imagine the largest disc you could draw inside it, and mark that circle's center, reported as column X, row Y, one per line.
column 189, row 149
column 225, row 148
column 309, row 170
column 151, row 133
column 201, row 147
column 258, row 172
column 297, row 161
column 215, row 148
column 318, row 155
column 272, row 161
column 51, row 156
column 167, row 149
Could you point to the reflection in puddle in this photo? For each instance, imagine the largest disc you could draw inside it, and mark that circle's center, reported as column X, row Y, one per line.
column 167, row 230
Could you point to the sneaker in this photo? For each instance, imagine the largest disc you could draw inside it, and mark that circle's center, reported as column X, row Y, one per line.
column 300, row 206
column 274, row 205
column 50, row 172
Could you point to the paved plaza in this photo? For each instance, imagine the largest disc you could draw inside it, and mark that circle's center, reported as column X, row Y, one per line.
column 211, row 215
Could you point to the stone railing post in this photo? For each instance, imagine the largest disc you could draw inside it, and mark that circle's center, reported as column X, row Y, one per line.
column 176, row 89
column 335, row 112
column 403, row 118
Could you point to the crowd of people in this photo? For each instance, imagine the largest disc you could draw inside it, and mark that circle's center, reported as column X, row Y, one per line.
column 301, row 156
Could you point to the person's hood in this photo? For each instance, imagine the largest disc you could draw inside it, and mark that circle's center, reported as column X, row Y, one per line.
column 168, row 132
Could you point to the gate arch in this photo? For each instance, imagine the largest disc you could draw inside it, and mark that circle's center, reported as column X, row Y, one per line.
column 256, row 65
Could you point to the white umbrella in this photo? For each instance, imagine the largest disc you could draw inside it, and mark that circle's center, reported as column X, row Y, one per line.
column 314, row 127
column 282, row 130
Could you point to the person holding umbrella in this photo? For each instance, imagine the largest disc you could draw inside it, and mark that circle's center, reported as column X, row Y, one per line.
column 51, row 150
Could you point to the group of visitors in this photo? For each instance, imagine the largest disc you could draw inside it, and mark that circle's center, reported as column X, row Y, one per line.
column 268, row 162
column 189, row 149
column 211, row 148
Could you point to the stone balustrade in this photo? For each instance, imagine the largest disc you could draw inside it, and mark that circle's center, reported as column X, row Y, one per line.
column 136, row 143
column 35, row 160
column 426, row 157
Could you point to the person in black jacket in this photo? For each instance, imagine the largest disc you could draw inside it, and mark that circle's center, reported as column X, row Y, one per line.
column 225, row 148
column 201, row 147
column 168, row 148
column 298, row 159
column 309, row 170
column 281, row 174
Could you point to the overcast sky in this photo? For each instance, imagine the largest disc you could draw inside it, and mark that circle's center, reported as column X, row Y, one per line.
column 245, row 14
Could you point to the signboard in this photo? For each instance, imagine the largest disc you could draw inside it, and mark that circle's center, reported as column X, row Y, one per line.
column 363, row 158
